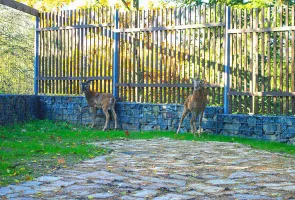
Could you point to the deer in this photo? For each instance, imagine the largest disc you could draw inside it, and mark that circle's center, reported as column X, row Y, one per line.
column 97, row 100
column 196, row 104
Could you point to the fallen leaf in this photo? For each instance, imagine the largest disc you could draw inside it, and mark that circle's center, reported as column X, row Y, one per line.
column 28, row 178
column 61, row 161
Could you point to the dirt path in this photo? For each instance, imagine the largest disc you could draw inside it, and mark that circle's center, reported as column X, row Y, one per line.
column 168, row 169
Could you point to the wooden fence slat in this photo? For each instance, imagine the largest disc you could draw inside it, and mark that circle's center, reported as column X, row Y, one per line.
column 170, row 74
column 262, row 80
column 234, row 55
column 203, row 44
column 105, row 47
column 183, row 47
column 152, row 55
column 158, row 98
column 281, row 60
column 287, row 60
column 43, row 56
column 134, row 46
column 179, row 54
column 160, row 56
column 64, row 63
column 268, row 60
column 215, row 64
column 240, row 68
column 219, row 60
column 50, row 54
column 57, row 66
column 256, row 61
column 275, row 58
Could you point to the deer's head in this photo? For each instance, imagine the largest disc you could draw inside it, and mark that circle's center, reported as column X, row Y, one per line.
column 198, row 83
column 85, row 87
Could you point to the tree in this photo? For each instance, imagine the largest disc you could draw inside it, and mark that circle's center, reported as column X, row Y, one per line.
column 236, row 3
column 16, row 51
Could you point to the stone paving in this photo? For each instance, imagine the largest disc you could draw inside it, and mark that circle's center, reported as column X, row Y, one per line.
column 163, row 169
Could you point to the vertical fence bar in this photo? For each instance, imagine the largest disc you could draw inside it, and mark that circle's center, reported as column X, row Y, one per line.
column 255, row 62
column 36, row 63
column 226, row 60
column 116, row 55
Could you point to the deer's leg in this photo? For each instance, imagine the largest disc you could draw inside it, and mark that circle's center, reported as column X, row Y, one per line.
column 193, row 123
column 105, row 111
column 115, row 116
column 184, row 114
column 200, row 122
column 93, row 110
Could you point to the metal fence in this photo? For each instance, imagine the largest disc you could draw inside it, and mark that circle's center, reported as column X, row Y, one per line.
column 159, row 51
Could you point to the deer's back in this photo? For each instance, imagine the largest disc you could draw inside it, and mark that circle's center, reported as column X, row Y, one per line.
column 95, row 99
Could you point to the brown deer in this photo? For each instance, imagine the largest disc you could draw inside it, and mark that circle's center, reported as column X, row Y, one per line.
column 97, row 100
column 196, row 104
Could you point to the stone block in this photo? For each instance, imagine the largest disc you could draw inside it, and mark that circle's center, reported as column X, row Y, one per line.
column 251, row 121
column 269, row 128
column 289, row 133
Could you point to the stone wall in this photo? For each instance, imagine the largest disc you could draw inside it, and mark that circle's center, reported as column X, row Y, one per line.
column 73, row 109
column 278, row 128
column 131, row 116
column 18, row 108
column 144, row 117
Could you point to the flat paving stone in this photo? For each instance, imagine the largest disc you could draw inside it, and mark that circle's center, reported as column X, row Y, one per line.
column 222, row 182
column 48, row 178
column 250, row 196
column 172, row 196
column 145, row 193
column 101, row 195
column 5, row 190
column 163, row 169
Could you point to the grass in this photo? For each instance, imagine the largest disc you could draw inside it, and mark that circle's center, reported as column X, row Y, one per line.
column 39, row 147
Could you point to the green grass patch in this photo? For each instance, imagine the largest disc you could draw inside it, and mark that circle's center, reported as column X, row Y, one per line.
column 39, row 147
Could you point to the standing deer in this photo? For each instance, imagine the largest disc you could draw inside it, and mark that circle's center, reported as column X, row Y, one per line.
column 196, row 104
column 97, row 100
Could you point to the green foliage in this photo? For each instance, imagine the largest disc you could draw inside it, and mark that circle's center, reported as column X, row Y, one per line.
column 16, row 51
column 39, row 147
column 237, row 3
